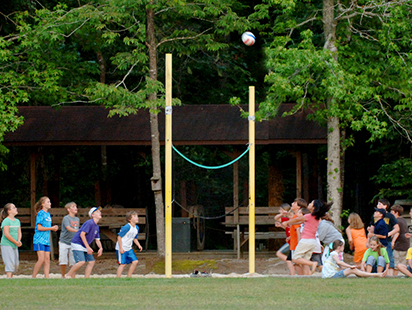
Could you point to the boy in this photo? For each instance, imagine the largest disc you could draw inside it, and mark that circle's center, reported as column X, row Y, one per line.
column 297, row 204
column 70, row 225
column 393, row 228
column 82, row 252
column 124, row 251
column 380, row 228
column 400, row 243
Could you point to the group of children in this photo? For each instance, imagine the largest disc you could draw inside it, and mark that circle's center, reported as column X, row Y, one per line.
column 74, row 242
column 382, row 251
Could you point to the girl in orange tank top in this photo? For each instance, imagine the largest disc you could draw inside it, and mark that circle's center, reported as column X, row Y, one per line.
column 356, row 237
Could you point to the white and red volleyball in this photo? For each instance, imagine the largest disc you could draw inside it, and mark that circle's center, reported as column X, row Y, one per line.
column 248, row 38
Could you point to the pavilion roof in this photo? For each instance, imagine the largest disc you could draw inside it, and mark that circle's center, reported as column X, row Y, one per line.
column 192, row 125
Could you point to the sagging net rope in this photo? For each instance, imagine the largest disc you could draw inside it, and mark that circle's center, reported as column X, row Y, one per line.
column 206, row 192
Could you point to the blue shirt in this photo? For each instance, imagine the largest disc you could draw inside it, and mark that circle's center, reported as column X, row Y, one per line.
column 45, row 220
column 92, row 232
column 381, row 229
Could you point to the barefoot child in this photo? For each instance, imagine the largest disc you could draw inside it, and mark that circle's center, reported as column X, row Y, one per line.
column 10, row 239
column 284, row 215
column 407, row 270
column 376, row 258
column 82, row 252
column 41, row 239
column 70, row 225
column 307, row 242
column 332, row 265
column 124, row 251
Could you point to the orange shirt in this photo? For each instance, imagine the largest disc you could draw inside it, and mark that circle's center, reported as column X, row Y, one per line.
column 294, row 236
column 359, row 243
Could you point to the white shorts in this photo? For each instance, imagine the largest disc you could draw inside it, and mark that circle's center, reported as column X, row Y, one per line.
column 10, row 257
column 65, row 254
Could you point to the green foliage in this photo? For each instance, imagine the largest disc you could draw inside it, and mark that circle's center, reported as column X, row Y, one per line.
column 369, row 82
column 396, row 179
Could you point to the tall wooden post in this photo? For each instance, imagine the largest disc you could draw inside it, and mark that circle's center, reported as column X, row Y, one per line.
column 252, row 179
column 32, row 188
column 168, row 169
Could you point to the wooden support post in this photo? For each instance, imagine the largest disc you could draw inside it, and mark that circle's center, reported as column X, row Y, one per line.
column 298, row 174
column 32, row 188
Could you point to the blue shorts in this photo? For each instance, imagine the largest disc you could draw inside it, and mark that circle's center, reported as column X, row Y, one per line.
column 339, row 274
column 80, row 256
column 126, row 258
column 41, row 247
column 284, row 249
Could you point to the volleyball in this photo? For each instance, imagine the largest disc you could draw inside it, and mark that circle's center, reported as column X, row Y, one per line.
column 248, row 38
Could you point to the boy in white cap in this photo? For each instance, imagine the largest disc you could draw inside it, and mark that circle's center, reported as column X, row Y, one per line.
column 82, row 252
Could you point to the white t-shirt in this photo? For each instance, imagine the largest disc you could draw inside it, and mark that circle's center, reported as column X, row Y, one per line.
column 128, row 233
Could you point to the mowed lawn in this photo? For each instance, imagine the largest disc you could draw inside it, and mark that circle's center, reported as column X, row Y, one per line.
column 206, row 293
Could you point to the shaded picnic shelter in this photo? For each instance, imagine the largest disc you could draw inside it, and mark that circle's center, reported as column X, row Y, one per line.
column 192, row 125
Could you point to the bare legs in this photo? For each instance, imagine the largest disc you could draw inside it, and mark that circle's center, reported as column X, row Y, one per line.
column 306, row 264
column 404, row 269
column 131, row 269
column 288, row 262
column 363, row 274
column 42, row 258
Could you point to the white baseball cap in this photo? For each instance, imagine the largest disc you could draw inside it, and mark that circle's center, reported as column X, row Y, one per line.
column 94, row 209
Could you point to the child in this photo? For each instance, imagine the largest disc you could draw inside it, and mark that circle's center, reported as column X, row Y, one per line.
column 407, row 270
column 332, row 265
column 10, row 239
column 297, row 204
column 380, row 229
column 356, row 237
column 124, row 252
column 328, row 233
column 400, row 243
column 376, row 258
column 283, row 216
column 82, row 252
column 307, row 242
column 70, row 225
column 41, row 239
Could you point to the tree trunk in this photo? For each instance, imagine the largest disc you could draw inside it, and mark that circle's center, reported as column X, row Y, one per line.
column 334, row 171
column 154, row 129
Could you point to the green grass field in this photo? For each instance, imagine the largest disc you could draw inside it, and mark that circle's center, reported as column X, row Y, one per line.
column 205, row 293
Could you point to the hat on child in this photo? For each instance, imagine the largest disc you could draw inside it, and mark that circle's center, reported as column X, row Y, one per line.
column 92, row 210
column 381, row 210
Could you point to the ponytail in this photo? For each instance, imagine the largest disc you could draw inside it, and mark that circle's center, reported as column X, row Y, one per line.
column 39, row 205
column 5, row 211
column 333, row 246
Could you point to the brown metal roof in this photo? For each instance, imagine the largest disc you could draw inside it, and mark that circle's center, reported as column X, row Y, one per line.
column 192, row 124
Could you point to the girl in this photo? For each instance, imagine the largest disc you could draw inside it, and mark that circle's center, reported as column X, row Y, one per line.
column 307, row 242
column 328, row 233
column 10, row 240
column 376, row 258
column 332, row 264
column 356, row 237
column 41, row 239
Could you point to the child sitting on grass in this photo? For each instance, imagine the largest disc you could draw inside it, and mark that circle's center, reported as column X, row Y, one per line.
column 376, row 258
column 407, row 270
column 332, row 265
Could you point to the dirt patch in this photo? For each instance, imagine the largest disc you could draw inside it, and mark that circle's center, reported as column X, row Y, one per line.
column 153, row 266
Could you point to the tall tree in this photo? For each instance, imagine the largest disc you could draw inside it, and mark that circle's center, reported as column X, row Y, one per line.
column 341, row 59
column 79, row 46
